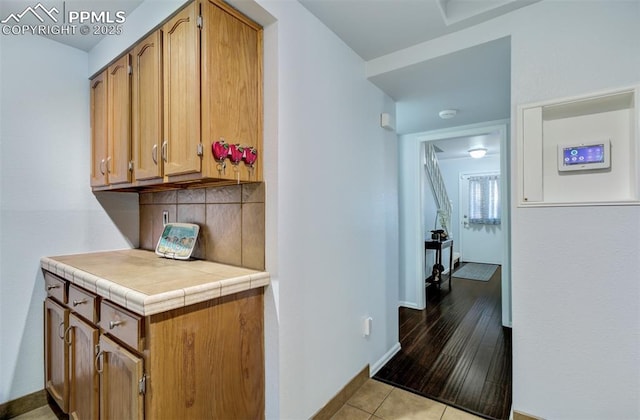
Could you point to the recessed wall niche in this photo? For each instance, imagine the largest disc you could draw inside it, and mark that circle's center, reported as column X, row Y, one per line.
column 546, row 129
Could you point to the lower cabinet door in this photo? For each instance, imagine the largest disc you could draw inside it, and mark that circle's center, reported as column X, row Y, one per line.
column 84, row 397
column 56, row 360
column 121, row 382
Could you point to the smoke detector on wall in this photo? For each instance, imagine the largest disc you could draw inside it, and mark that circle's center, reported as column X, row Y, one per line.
column 446, row 114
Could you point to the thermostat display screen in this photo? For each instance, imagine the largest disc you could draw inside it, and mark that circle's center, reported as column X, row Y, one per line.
column 583, row 157
column 584, row 154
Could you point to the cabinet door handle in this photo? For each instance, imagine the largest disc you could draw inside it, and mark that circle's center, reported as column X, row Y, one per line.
column 67, row 336
column 96, row 362
column 154, row 153
column 53, row 286
column 61, row 331
column 79, row 302
column 164, row 151
column 113, row 324
column 109, row 164
column 102, row 166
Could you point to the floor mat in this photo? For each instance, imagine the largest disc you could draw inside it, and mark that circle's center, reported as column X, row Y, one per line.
column 476, row 271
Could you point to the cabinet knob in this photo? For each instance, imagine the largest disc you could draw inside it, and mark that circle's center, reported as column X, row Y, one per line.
column 113, row 324
column 53, row 286
column 79, row 302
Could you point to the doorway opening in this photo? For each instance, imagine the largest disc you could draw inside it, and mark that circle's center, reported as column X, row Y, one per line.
column 484, row 241
column 415, row 226
column 453, row 344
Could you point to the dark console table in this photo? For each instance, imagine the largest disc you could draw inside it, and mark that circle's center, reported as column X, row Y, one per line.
column 439, row 246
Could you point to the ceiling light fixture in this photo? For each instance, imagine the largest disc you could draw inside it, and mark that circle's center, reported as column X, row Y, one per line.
column 446, row 114
column 478, row 152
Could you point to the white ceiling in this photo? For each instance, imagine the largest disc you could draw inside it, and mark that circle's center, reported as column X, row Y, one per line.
column 373, row 28
column 475, row 81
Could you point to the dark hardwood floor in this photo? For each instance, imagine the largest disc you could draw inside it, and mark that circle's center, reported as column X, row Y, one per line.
column 456, row 351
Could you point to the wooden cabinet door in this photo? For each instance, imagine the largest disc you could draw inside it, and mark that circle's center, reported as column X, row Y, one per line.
column 120, row 375
column 231, row 84
column 99, row 121
column 206, row 361
column 119, row 122
column 147, row 107
column 181, row 56
column 83, row 376
column 56, row 360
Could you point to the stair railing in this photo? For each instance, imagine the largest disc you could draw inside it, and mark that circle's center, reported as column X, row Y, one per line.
column 434, row 174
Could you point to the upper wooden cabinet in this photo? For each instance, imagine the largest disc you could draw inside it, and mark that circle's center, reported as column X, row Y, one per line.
column 99, row 116
column 119, row 123
column 213, row 91
column 111, row 125
column 231, row 87
column 196, row 80
column 147, row 107
column 182, row 148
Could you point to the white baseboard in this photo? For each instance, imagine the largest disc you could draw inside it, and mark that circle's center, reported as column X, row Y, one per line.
column 410, row 305
column 384, row 359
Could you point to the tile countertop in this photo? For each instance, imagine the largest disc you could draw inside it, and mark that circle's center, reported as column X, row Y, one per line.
column 147, row 284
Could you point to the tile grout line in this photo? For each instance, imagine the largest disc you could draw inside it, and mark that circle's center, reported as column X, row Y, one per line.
column 444, row 411
column 361, row 409
column 393, row 388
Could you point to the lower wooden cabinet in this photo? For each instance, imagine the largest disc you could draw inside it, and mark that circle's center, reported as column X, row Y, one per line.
column 56, row 350
column 122, row 382
column 202, row 361
column 83, row 376
column 206, row 361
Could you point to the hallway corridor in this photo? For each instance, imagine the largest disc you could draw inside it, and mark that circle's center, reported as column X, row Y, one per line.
column 456, row 351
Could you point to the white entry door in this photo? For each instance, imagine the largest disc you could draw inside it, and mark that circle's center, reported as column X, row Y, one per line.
column 479, row 243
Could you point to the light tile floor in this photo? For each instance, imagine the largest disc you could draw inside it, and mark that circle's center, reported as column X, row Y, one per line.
column 378, row 401
column 373, row 401
column 42, row 413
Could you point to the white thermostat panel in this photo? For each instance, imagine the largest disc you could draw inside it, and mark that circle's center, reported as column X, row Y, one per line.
column 585, row 156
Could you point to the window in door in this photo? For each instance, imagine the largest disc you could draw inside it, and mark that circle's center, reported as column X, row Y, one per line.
column 484, row 199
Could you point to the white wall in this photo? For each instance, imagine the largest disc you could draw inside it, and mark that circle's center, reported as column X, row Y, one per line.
column 46, row 206
column 411, row 179
column 337, row 246
column 576, row 348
